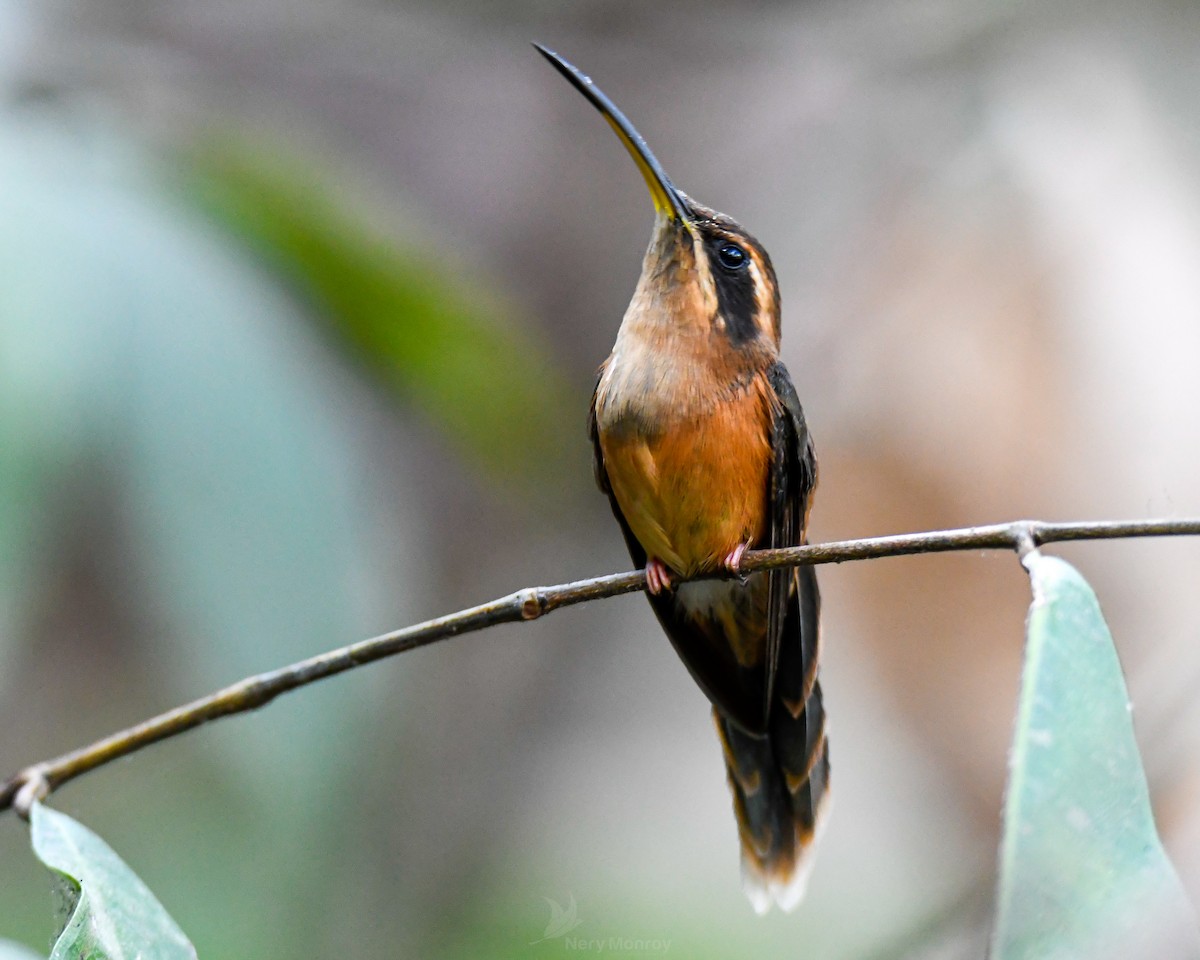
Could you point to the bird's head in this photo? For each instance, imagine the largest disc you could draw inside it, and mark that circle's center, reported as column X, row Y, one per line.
column 702, row 270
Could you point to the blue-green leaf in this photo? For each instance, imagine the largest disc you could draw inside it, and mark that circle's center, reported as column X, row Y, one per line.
column 1082, row 871
column 110, row 914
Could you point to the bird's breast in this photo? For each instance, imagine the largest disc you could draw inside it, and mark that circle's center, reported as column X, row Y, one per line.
column 687, row 453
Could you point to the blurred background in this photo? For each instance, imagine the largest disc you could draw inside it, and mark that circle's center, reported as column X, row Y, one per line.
column 300, row 309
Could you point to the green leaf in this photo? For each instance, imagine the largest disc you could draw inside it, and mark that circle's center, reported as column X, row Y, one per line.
column 109, row 913
column 1082, row 871
column 420, row 322
column 11, row 950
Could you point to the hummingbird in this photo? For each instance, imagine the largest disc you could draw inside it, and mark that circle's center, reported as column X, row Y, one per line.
column 700, row 443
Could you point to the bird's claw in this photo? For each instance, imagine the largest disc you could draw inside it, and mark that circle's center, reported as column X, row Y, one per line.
column 658, row 577
column 733, row 561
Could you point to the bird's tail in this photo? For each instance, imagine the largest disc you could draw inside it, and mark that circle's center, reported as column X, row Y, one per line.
column 780, row 781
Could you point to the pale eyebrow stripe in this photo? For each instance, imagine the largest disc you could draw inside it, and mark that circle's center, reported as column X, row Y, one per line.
column 763, row 297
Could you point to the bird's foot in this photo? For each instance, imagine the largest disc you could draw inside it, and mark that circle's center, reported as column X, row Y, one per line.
column 658, row 577
column 733, row 560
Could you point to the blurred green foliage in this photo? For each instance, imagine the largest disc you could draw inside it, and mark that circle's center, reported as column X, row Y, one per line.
column 424, row 324
column 151, row 369
column 147, row 369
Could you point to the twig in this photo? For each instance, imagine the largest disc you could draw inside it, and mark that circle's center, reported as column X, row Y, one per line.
column 37, row 781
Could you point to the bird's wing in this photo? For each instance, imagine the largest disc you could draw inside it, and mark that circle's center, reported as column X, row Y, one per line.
column 793, row 480
column 797, row 724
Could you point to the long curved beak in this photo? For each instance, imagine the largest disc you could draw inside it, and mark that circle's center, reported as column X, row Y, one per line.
column 667, row 200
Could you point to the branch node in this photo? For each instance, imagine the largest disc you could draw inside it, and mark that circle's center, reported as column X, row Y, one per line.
column 1025, row 538
column 531, row 603
column 34, row 787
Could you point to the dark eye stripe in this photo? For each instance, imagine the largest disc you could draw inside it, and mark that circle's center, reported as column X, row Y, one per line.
column 735, row 296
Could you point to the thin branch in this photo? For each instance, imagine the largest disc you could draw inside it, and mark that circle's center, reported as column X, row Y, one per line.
column 37, row 781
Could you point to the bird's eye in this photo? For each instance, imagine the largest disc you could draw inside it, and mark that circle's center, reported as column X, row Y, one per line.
column 732, row 256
